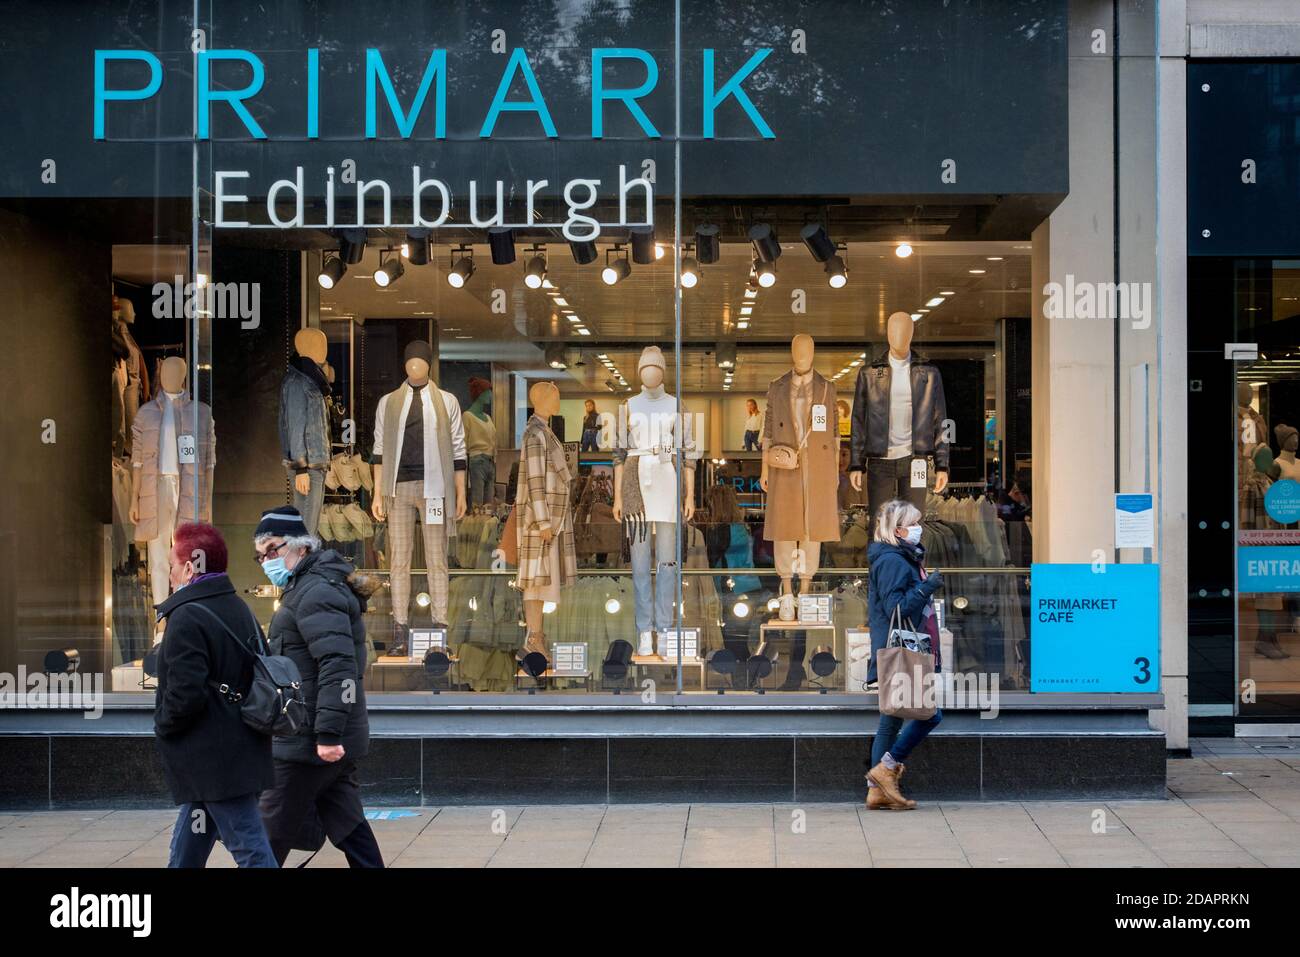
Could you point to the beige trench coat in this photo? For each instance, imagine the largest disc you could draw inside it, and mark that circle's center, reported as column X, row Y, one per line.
column 802, row 503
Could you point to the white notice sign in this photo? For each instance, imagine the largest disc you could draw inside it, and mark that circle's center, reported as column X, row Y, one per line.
column 1135, row 525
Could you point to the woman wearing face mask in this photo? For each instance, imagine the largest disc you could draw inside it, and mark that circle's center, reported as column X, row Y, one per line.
column 898, row 583
column 319, row 625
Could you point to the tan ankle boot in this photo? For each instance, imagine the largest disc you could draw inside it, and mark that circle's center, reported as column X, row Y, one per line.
column 887, row 781
column 536, row 643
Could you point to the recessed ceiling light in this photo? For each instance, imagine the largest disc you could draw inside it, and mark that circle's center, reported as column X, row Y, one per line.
column 977, row 272
column 903, row 250
column 923, row 310
column 751, row 293
column 946, row 292
column 407, row 302
column 746, row 310
column 574, row 318
column 855, row 363
column 464, row 337
column 936, row 301
column 742, row 324
column 561, row 301
column 916, row 316
column 994, row 259
column 326, row 308
column 1026, row 246
column 584, row 332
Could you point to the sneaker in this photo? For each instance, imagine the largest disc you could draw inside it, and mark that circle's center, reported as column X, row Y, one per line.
column 646, row 646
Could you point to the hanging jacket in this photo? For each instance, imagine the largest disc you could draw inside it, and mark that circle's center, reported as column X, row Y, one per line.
column 304, row 421
column 870, row 432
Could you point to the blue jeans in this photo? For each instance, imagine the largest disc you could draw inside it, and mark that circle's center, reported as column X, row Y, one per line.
column 239, row 824
column 751, row 440
column 482, row 479
column 589, row 440
column 899, row 745
column 665, row 590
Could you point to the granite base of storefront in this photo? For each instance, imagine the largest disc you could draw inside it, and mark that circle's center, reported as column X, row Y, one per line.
column 552, row 751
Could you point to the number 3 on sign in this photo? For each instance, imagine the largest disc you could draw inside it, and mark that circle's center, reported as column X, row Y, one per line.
column 433, row 511
column 918, row 473
column 185, row 449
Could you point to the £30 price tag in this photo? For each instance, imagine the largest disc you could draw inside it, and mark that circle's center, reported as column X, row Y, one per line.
column 433, row 514
column 918, row 473
column 185, row 449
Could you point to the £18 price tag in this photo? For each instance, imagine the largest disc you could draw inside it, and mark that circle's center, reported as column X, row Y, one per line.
column 918, row 473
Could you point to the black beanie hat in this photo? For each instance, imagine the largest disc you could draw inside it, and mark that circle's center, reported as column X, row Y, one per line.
column 284, row 520
column 419, row 349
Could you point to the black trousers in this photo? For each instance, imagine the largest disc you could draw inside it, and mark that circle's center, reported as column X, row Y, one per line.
column 889, row 479
column 327, row 796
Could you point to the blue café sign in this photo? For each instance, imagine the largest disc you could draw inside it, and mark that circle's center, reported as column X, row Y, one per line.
column 1095, row 628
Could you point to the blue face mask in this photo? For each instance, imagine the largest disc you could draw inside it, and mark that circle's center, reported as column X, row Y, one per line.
column 914, row 534
column 274, row 569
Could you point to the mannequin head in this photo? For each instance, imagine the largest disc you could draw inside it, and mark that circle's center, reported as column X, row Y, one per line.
column 1288, row 439
column 899, row 332
column 545, row 399
column 1244, row 394
column 590, row 406
column 801, row 351
column 417, row 361
column 172, row 376
column 751, row 407
column 312, row 344
column 651, row 367
column 123, row 309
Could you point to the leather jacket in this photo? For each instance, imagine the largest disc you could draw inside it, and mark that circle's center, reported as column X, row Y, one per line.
column 870, row 433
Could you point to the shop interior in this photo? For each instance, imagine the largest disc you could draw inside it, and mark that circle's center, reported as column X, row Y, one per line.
column 502, row 312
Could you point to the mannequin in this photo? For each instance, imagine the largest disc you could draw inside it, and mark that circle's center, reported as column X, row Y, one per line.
column 171, row 474
column 895, row 427
column 645, row 492
column 1288, row 439
column 802, row 510
column 304, row 423
column 132, row 375
column 419, row 464
column 547, row 556
column 481, row 443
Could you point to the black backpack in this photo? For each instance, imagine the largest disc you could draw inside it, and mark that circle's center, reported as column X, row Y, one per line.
column 273, row 703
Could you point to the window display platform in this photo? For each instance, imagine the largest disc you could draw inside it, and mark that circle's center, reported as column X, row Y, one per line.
column 559, row 749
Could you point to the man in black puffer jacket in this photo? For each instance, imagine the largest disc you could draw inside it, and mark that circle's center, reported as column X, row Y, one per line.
column 319, row 625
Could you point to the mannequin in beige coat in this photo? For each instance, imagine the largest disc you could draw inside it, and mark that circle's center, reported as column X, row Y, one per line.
column 802, row 507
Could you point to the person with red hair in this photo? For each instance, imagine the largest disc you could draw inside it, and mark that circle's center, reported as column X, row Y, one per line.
column 215, row 765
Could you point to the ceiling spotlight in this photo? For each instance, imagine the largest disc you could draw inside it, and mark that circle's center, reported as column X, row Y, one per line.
column 766, row 274
column 707, row 247
column 936, row 301
column 389, row 272
column 617, row 270
column 902, row 250
column 660, row 251
column 818, row 243
column 612, row 606
column 501, row 240
column 352, row 244
column 742, row 325
column 331, row 272
column 690, row 273
column 462, row 268
column 837, row 274
column 555, row 357
column 584, row 252
column 643, row 245
column 740, row 609
column 726, row 356
column 535, row 273
column 976, row 272
column 416, row 249
column 916, row 317
column 946, row 292
column 766, row 246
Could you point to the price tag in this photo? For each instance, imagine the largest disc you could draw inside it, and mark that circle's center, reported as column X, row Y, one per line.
column 185, row 449
column 919, row 473
column 819, row 417
column 433, row 514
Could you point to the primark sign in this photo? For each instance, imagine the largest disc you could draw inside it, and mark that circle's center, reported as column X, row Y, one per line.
column 500, row 113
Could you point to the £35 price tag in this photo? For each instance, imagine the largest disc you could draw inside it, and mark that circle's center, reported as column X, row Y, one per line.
column 918, row 473
column 433, row 514
column 185, row 449
column 819, row 417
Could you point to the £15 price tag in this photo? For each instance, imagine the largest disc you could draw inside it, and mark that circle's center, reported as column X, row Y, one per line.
column 433, row 514
column 918, row 473
column 819, row 417
column 185, row 449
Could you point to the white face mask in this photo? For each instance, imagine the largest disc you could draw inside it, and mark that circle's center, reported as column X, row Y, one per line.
column 913, row 535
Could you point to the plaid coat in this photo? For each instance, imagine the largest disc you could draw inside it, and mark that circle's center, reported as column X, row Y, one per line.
column 542, row 500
